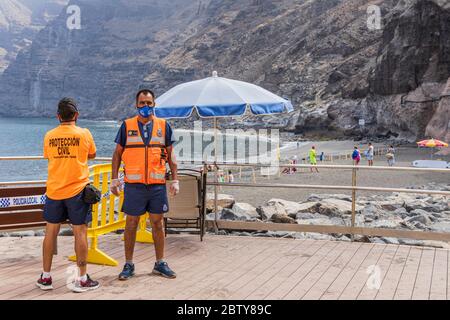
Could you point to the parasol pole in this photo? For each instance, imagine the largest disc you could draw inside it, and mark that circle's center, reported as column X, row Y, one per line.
column 216, row 229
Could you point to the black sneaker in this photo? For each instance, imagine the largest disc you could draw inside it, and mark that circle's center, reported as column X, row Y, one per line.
column 82, row 286
column 162, row 268
column 45, row 284
column 127, row 272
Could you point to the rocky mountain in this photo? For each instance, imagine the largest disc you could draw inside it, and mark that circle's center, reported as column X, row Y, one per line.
column 20, row 21
column 321, row 54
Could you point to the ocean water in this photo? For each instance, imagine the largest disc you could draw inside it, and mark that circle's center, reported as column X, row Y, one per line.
column 24, row 137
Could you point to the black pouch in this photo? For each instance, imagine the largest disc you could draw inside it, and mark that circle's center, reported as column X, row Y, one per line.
column 91, row 195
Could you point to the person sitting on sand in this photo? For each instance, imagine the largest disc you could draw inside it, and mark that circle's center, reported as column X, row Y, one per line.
column 288, row 170
column 312, row 158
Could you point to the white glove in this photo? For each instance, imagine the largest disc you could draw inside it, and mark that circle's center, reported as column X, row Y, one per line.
column 174, row 188
column 115, row 187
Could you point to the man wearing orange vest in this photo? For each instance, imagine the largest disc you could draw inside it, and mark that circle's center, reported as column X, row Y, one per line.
column 144, row 144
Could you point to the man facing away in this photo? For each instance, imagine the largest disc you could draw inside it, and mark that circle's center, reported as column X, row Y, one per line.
column 144, row 144
column 67, row 148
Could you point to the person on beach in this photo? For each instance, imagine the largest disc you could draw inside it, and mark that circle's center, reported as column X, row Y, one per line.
column 322, row 156
column 390, row 156
column 356, row 156
column 312, row 158
column 67, row 149
column 230, row 177
column 145, row 144
column 370, row 153
column 294, row 162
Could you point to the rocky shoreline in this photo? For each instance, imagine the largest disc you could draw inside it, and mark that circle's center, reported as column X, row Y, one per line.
column 397, row 211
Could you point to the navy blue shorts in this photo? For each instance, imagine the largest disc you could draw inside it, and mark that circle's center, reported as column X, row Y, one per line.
column 140, row 199
column 73, row 209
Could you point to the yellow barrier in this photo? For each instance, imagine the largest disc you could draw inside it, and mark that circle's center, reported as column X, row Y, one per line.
column 108, row 222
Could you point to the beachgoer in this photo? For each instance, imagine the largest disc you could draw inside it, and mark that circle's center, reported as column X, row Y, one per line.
column 322, row 156
column 356, row 156
column 145, row 144
column 288, row 170
column 67, row 149
column 370, row 154
column 221, row 176
column 390, row 155
column 294, row 162
column 312, row 158
column 230, row 177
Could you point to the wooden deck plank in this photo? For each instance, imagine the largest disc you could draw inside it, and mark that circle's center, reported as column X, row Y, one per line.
column 230, row 267
column 59, row 274
column 109, row 283
column 346, row 275
column 383, row 265
column 242, row 264
column 439, row 280
column 422, row 285
column 317, row 290
column 360, row 275
column 30, row 272
column 307, row 247
column 145, row 283
column 64, row 251
column 247, row 282
column 300, row 273
column 315, row 273
column 212, row 269
column 288, row 271
column 218, row 289
column 392, row 277
column 405, row 285
column 111, row 287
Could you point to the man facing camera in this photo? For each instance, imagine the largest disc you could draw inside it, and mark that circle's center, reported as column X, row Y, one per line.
column 144, row 144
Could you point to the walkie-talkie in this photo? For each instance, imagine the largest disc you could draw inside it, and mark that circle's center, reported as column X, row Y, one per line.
column 163, row 156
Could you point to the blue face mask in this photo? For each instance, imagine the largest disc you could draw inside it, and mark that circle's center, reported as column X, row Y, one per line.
column 146, row 111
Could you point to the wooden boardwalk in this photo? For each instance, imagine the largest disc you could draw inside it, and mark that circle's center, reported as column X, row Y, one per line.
column 224, row 267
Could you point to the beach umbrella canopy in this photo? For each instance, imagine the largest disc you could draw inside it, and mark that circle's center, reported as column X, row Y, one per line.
column 219, row 97
column 432, row 143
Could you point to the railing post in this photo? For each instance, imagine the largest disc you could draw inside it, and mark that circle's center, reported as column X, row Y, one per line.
column 353, row 202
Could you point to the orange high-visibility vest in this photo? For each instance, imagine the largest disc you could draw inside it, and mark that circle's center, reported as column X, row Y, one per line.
column 145, row 164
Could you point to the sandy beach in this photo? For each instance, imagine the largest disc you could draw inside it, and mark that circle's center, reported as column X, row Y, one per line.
column 400, row 179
